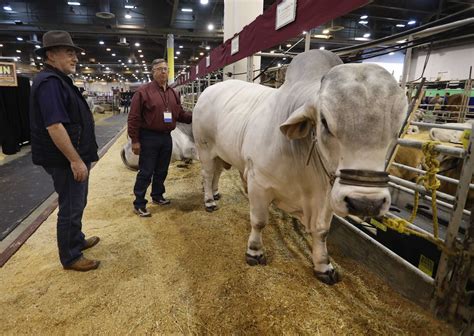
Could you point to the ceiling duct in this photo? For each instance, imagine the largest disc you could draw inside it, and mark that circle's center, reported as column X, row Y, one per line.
column 104, row 10
column 123, row 42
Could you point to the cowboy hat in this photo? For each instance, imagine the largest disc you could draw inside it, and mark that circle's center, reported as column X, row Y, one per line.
column 56, row 38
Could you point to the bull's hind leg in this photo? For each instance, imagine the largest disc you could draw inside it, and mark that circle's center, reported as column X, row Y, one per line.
column 323, row 269
column 208, row 170
column 259, row 200
column 219, row 166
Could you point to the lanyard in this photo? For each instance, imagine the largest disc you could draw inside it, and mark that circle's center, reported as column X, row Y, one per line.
column 163, row 97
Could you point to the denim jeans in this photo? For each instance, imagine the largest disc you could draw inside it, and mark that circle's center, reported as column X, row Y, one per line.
column 72, row 201
column 155, row 156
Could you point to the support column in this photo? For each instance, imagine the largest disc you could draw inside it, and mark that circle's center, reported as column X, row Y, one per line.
column 406, row 65
column 170, row 50
column 238, row 14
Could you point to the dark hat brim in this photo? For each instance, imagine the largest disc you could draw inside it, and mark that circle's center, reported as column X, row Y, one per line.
column 42, row 51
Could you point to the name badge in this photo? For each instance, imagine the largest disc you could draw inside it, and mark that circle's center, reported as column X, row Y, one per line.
column 168, row 117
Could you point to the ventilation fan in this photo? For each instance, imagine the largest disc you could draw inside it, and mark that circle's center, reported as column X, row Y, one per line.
column 123, row 42
column 104, row 12
column 334, row 28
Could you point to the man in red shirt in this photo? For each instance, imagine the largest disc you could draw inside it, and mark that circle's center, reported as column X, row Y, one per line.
column 153, row 114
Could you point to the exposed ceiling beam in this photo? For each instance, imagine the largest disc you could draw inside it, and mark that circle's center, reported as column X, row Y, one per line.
column 174, row 12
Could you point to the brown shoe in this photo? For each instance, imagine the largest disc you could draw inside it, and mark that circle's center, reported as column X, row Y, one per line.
column 83, row 265
column 90, row 242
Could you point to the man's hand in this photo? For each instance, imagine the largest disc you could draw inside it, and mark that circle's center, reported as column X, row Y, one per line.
column 136, row 148
column 79, row 170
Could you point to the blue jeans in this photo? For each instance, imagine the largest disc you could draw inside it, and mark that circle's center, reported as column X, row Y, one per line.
column 72, row 201
column 155, row 156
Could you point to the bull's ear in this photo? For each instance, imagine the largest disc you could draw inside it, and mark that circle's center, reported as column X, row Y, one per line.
column 299, row 123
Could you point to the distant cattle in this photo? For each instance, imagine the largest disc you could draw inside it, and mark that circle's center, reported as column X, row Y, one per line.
column 183, row 147
column 340, row 118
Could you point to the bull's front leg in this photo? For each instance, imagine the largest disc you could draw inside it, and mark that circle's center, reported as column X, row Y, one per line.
column 323, row 269
column 259, row 200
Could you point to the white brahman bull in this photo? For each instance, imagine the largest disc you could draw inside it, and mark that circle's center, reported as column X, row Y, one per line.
column 448, row 135
column 354, row 112
column 183, row 147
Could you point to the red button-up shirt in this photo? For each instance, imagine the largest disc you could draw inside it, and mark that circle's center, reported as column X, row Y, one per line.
column 149, row 103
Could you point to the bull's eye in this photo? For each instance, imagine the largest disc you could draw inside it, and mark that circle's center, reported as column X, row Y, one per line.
column 325, row 124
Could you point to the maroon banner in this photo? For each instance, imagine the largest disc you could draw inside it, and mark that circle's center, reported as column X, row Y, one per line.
column 261, row 34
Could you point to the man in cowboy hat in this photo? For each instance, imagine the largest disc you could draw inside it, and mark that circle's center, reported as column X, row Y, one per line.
column 63, row 142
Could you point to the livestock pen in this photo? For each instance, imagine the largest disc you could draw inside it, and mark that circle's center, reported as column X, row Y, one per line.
column 183, row 271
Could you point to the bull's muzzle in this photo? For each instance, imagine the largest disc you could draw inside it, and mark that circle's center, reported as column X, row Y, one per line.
column 363, row 206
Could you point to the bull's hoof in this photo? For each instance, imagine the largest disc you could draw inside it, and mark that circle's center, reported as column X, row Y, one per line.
column 329, row 277
column 211, row 208
column 255, row 260
column 217, row 196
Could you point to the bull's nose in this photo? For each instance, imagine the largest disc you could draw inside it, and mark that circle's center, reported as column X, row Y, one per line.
column 364, row 206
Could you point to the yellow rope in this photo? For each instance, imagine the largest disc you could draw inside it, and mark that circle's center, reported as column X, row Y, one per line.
column 431, row 184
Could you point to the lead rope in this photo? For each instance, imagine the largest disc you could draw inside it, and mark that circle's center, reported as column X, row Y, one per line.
column 314, row 144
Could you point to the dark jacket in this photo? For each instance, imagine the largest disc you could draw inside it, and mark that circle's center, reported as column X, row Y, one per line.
column 80, row 128
column 147, row 110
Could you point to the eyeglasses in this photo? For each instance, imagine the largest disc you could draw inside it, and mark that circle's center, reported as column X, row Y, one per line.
column 162, row 69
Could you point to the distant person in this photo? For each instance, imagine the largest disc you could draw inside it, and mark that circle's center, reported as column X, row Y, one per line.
column 63, row 142
column 155, row 109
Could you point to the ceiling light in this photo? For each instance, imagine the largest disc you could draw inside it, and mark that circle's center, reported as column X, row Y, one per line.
column 129, row 6
column 208, row 47
column 7, row 8
column 107, row 68
column 108, row 49
column 139, row 50
column 18, row 51
column 80, row 65
column 141, row 55
column 1, row 45
column 19, row 38
column 129, row 61
column 363, row 17
column 400, row 25
column 304, row 32
column 210, row 26
column 113, row 55
column 411, row 22
column 178, row 52
column 361, row 38
column 288, row 45
column 136, row 71
column 137, row 44
column 83, row 53
column 128, row 16
column 279, row 64
column 201, row 53
column 391, row 53
column 321, row 48
column 101, row 42
column 188, row 10
column 363, row 22
column 367, row 35
column 326, row 31
column 119, row 61
column 401, row 41
column 204, row 2
column 87, row 67
column 180, row 47
column 37, row 57
column 36, row 46
column 320, row 36
column 175, row 57
column 143, row 61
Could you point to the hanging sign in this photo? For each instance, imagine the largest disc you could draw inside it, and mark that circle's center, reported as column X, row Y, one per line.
column 285, row 13
column 208, row 61
column 8, row 74
column 234, row 46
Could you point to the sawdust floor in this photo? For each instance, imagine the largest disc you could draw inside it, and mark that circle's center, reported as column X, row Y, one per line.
column 183, row 272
